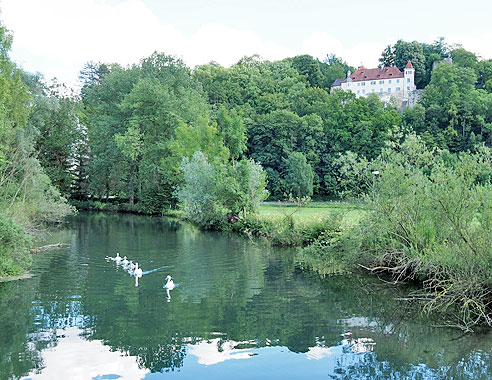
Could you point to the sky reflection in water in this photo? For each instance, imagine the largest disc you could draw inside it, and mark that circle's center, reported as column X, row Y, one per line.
column 242, row 310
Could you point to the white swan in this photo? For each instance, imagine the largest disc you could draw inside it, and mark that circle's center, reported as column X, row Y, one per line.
column 170, row 283
column 131, row 265
column 138, row 271
column 125, row 261
column 117, row 258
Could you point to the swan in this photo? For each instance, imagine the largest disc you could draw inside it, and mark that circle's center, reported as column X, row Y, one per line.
column 117, row 258
column 170, row 283
column 130, row 267
column 138, row 271
column 125, row 261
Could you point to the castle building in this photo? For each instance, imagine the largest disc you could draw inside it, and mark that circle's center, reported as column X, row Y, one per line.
column 386, row 82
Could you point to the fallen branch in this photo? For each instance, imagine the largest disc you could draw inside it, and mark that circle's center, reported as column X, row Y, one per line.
column 46, row 247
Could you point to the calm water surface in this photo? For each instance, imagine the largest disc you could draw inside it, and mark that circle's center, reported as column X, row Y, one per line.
column 242, row 310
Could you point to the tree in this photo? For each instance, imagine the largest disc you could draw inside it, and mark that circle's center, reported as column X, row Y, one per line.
column 421, row 55
column 299, row 177
column 457, row 115
column 309, row 67
column 233, row 132
column 464, row 58
column 54, row 116
column 333, row 68
column 198, row 194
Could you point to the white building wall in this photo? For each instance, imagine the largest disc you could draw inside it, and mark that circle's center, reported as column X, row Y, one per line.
column 385, row 88
column 379, row 86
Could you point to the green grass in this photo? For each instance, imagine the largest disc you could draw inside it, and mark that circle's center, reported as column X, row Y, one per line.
column 314, row 212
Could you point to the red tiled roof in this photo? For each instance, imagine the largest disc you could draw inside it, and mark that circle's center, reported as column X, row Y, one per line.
column 409, row 65
column 362, row 74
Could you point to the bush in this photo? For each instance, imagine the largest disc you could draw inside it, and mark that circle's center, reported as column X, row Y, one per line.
column 431, row 222
column 14, row 247
column 198, row 196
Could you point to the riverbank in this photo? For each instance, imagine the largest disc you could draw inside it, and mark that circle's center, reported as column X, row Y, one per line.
column 343, row 237
column 298, row 226
column 378, row 238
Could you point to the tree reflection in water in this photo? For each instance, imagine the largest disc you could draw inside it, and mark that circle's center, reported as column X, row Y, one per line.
column 237, row 300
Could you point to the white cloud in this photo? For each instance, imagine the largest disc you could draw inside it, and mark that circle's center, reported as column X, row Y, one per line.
column 477, row 44
column 320, row 44
column 56, row 37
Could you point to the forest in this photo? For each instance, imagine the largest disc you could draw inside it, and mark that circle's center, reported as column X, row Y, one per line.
column 215, row 142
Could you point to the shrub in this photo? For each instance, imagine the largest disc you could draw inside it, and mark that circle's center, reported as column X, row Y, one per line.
column 14, row 247
column 431, row 222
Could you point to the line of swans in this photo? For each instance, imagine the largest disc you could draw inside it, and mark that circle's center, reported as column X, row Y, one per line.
column 134, row 270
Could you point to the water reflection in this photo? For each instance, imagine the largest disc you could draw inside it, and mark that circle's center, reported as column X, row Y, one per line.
column 216, row 351
column 75, row 358
column 242, row 301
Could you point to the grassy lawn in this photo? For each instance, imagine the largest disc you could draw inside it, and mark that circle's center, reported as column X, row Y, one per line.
column 314, row 211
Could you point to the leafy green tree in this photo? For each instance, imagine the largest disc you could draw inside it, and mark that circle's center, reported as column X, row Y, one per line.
column 309, row 67
column 151, row 99
column 421, row 55
column 485, row 75
column 464, row 58
column 299, row 177
column 457, row 115
column 54, row 117
column 233, row 131
column 198, row 195
column 202, row 136
column 353, row 175
column 333, row 67
column 27, row 196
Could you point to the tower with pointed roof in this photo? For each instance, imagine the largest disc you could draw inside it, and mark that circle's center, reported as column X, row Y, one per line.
column 409, row 79
column 385, row 82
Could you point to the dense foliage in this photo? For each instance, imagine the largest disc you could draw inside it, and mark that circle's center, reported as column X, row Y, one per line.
column 431, row 220
column 27, row 196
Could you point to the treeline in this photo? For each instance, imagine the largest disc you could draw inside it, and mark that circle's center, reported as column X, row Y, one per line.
column 120, row 143
column 282, row 111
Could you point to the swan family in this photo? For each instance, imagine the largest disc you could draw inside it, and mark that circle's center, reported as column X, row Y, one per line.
column 131, row 267
column 134, row 270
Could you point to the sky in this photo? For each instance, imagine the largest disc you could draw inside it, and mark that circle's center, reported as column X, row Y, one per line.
column 57, row 37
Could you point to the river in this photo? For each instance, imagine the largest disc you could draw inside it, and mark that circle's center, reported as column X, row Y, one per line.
column 241, row 310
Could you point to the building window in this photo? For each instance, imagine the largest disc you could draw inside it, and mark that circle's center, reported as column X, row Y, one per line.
column 363, row 91
column 381, row 90
column 373, row 82
column 381, row 82
column 389, row 89
column 373, row 90
column 358, row 83
column 397, row 81
column 398, row 89
column 389, row 81
column 348, row 84
column 363, row 83
column 358, row 91
column 408, row 88
column 408, row 80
